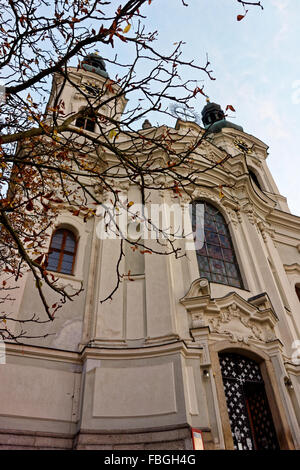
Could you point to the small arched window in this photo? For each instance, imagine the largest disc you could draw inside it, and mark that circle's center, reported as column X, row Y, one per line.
column 215, row 254
column 298, row 291
column 61, row 257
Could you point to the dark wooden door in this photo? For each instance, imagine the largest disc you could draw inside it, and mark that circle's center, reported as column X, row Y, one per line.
column 249, row 412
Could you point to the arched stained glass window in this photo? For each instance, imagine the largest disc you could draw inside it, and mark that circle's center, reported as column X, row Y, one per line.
column 216, row 258
column 62, row 252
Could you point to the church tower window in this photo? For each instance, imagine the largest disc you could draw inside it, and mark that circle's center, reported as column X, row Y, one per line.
column 62, row 252
column 216, row 257
column 87, row 123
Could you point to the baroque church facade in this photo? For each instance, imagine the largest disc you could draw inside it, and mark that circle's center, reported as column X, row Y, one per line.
column 206, row 342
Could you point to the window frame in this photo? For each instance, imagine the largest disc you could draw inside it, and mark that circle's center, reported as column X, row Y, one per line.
column 62, row 250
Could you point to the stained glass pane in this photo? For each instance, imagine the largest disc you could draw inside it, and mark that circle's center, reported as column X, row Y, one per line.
column 217, row 266
column 203, row 263
column 209, row 224
column 210, row 209
column 219, row 218
column 233, row 282
column 216, row 258
column 231, row 270
column 212, row 238
column 206, row 275
column 221, row 228
column 219, row 279
column 214, row 251
column 203, row 250
column 228, row 255
column 225, row 242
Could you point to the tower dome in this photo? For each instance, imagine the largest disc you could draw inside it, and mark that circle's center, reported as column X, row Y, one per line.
column 94, row 63
column 213, row 118
column 212, row 113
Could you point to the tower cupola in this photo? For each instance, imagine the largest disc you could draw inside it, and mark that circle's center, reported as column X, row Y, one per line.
column 212, row 113
column 214, row 120
column 94, row 63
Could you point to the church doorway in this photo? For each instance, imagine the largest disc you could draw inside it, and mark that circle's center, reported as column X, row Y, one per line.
column 250, row 417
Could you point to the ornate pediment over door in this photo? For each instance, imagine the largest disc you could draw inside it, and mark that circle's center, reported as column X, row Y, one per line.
column 230, row 316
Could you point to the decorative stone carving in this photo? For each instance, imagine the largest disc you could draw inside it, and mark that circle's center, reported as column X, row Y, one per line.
column 241, row 328
column 208, row 194
column 230, row 316
column 248, row 209
column 239, row 216
column 233, row 215
column 262, row 227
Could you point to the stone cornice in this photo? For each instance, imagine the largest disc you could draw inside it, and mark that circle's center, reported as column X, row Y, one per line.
column 41, row 352
column 147, row 351
column 285, row 220
column 96, row 353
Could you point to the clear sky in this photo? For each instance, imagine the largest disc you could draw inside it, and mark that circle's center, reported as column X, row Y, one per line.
column 256, row 66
